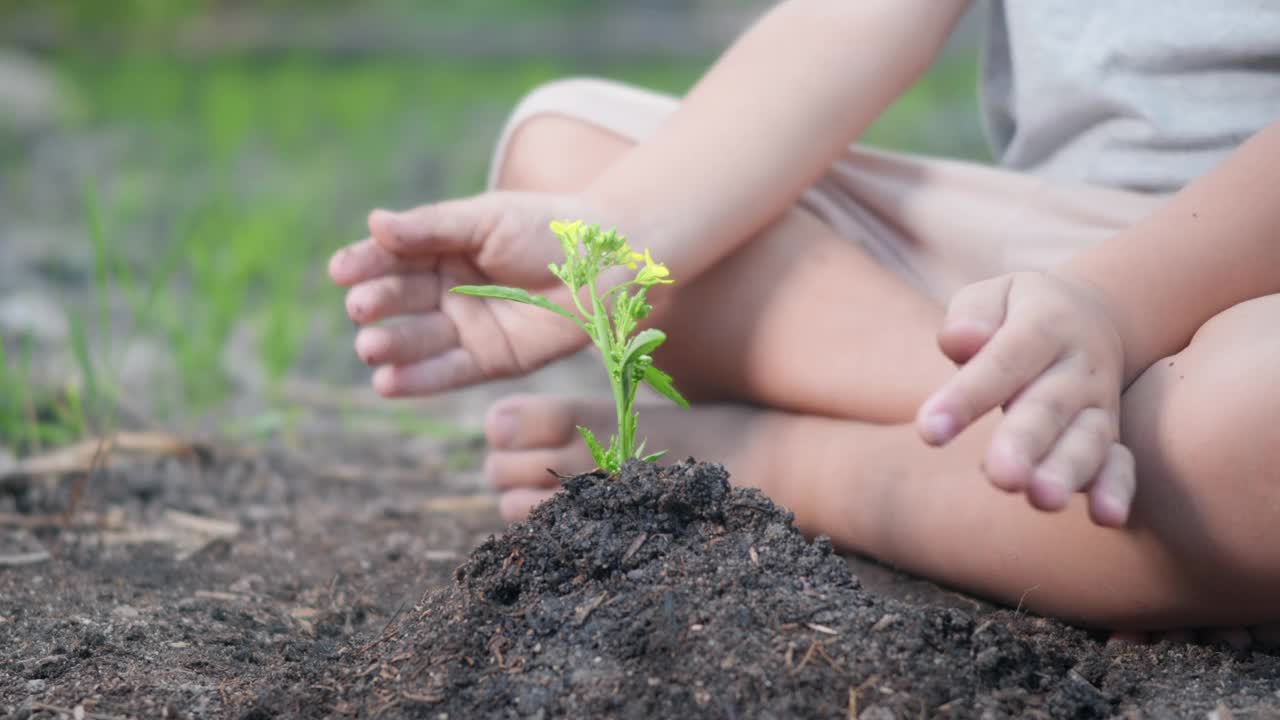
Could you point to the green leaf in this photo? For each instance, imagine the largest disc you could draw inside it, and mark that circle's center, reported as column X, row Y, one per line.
column 643, row 344
column 661, row 382
column 597, row 452
column 518, row 295
column 654, row 457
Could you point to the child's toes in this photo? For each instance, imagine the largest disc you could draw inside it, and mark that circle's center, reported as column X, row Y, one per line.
column 514, row 505
column 519, row 422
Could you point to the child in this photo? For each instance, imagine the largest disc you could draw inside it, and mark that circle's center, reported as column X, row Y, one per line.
column 1110, row 297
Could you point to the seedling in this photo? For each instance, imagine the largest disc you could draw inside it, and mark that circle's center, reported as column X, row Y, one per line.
column 627, row 355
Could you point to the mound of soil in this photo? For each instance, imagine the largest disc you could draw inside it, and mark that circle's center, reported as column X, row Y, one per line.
column 667, row 593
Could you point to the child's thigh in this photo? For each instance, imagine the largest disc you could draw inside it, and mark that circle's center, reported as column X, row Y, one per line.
column 943, row 224
column 1204, row 431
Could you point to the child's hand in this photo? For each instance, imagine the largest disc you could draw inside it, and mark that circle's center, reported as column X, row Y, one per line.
column 444, row 340
column 1043, row 347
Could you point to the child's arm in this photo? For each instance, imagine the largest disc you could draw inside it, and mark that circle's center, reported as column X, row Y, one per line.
column 767, row 120
column 1056, row 349
column 764, row 122
column 1213, row 245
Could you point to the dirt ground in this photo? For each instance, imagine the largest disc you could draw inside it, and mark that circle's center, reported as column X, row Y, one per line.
column 210, row 582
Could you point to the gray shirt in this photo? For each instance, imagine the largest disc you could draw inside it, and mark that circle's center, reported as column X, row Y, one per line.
column 1135, row 94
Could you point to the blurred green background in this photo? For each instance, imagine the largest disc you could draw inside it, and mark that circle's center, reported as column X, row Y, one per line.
column 175, row 173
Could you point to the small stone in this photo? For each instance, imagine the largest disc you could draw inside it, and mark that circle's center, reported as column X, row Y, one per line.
column 35, row 686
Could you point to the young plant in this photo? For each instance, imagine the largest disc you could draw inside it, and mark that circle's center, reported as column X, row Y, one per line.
column 627, row 354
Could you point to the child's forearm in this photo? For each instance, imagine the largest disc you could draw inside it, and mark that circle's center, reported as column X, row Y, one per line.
column 1216, row 243
column 766, row 121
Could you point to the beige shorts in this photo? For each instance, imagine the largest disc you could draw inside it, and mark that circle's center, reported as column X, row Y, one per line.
column 938, row 224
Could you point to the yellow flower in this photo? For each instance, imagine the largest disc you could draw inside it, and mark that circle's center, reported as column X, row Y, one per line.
column 568, row 233
column 653, row 273
column 629, row 257
column 564, row 227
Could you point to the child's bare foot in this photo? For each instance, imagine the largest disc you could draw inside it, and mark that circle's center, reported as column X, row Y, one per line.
column 529, row 434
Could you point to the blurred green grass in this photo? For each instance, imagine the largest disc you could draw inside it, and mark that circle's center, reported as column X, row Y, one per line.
column 240, row 175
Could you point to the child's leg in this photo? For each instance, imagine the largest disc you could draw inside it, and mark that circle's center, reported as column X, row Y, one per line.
column 1197, row 538
column 1202, row 549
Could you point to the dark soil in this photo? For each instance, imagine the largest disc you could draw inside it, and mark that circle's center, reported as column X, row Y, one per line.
column 298, row 591
column 666, row 593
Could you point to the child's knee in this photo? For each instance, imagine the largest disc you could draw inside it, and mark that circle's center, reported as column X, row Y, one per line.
column 1202, row 426
column 549, row 145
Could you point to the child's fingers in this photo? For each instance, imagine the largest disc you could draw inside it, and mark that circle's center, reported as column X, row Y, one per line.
column 447, row 227
column 1074, row 461
column 1002, row 368
column 1034, row 422
column 454, row 368
column 410, row 340
column 1111, row 495
column 391, row 295
column 365, row 260
column 973, row 316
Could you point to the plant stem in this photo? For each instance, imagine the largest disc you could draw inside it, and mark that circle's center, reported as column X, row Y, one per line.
column 622, row 450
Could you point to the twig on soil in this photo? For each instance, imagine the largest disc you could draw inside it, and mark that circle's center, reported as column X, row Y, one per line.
column 1028, row 591
column 583, row 611
column 822, row 650
column 808, row 655
column 80, row 457
column 854, row 693
column 635, row 545
column 384, row 636
column 821, row 629
column 202, row 525
column 559, row 476
column 77, row 485
column 21, row 559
